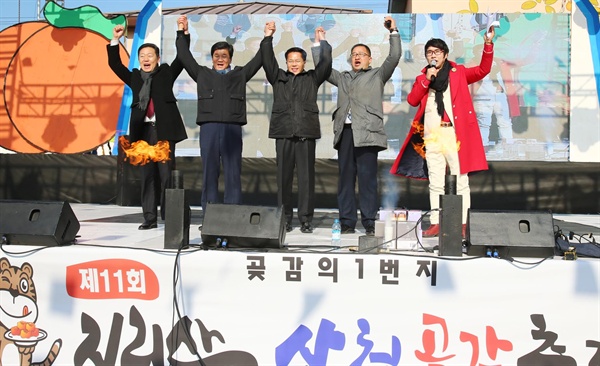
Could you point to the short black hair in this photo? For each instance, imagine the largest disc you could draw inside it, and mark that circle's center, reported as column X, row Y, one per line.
column 296, row 49
column 361, row 45
column 221, row 46
column 149, row 45
column 437, row 43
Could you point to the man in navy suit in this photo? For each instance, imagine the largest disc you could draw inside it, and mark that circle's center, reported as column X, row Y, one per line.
column 154, row 117
column 221, row 115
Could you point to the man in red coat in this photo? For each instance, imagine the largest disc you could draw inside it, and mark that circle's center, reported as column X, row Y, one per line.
column 444, row 133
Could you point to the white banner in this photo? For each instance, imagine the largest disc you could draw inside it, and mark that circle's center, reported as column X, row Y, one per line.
column 115, row 306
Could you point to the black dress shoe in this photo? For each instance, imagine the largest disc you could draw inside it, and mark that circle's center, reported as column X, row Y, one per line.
column 288, row 227
column 306, row 228
column 347, row 229
column 148, row 225
column 370, row 230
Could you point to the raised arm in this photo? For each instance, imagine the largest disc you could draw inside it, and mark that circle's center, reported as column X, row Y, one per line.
column 114, row 57
column 177, row 65
column 334, row 75
column 477, row 73
column 270, row 64
column 183, row 50
column 391, row 61
column 252, row 67
column 323, row 67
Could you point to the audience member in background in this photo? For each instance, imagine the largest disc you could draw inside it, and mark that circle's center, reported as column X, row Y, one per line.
column 490, row 99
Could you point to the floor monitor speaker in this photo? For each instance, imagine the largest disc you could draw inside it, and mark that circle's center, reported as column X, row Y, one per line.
column 243, row 226
column 38, row 223
column 510, row 234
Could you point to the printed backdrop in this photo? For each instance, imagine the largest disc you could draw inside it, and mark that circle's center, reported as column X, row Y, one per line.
column 110, row 306
column 526, row 93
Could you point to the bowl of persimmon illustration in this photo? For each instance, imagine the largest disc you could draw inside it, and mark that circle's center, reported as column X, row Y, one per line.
column 25, row 334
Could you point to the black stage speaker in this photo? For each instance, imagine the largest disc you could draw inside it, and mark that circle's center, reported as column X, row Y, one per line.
column 510, row 234
column 177, row 219
column 450, row 236
column 38, row 223
column 243, row 226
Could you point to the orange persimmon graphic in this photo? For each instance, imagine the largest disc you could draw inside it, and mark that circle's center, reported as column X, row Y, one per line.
column 25, row 330
column 64, row 97
column 12, row 38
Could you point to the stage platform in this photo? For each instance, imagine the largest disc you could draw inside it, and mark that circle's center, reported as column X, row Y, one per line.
column 116, row 296
column 112, row 225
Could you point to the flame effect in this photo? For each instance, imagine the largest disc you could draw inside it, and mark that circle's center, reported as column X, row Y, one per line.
column 419, row 147
column 418, row 130
column 140, row 153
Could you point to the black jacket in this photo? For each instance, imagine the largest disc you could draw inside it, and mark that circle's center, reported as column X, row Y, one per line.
column 221, row 97
column 295, row 110
column 169, row 124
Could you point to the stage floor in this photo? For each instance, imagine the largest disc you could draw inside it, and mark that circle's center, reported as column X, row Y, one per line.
column 117, row 226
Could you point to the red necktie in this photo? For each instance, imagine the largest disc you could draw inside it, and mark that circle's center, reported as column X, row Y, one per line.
column 150, row 110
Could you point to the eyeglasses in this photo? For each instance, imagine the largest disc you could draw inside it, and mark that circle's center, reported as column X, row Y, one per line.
column 359, row 54
column 434, row 52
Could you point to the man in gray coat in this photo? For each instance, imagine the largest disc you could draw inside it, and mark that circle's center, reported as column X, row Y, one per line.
column 358, row 129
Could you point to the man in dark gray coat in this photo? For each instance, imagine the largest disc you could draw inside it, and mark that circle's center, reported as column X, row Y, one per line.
column 358, row 129
column 295, row 122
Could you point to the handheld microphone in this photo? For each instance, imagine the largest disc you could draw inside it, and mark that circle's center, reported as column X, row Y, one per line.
column 388, row 24
column 433, row 64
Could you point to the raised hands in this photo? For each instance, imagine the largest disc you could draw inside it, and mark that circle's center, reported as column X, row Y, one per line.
column 118, row 31
column 488, row 37
column 389, row 23
column 270, row 29
column 182, row 23
column 319, row 34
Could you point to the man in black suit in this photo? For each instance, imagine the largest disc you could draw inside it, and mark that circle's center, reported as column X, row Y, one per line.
column 154, row 117
column 295, row 122
column 221, row 115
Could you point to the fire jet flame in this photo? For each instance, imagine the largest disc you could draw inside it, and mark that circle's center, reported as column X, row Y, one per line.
column 141, row 153
column 419, row 147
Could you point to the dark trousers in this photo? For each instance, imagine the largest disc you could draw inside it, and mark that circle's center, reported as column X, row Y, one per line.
column 298, row 153
column 155, row 177
column 356, row 162
column 221, row 143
